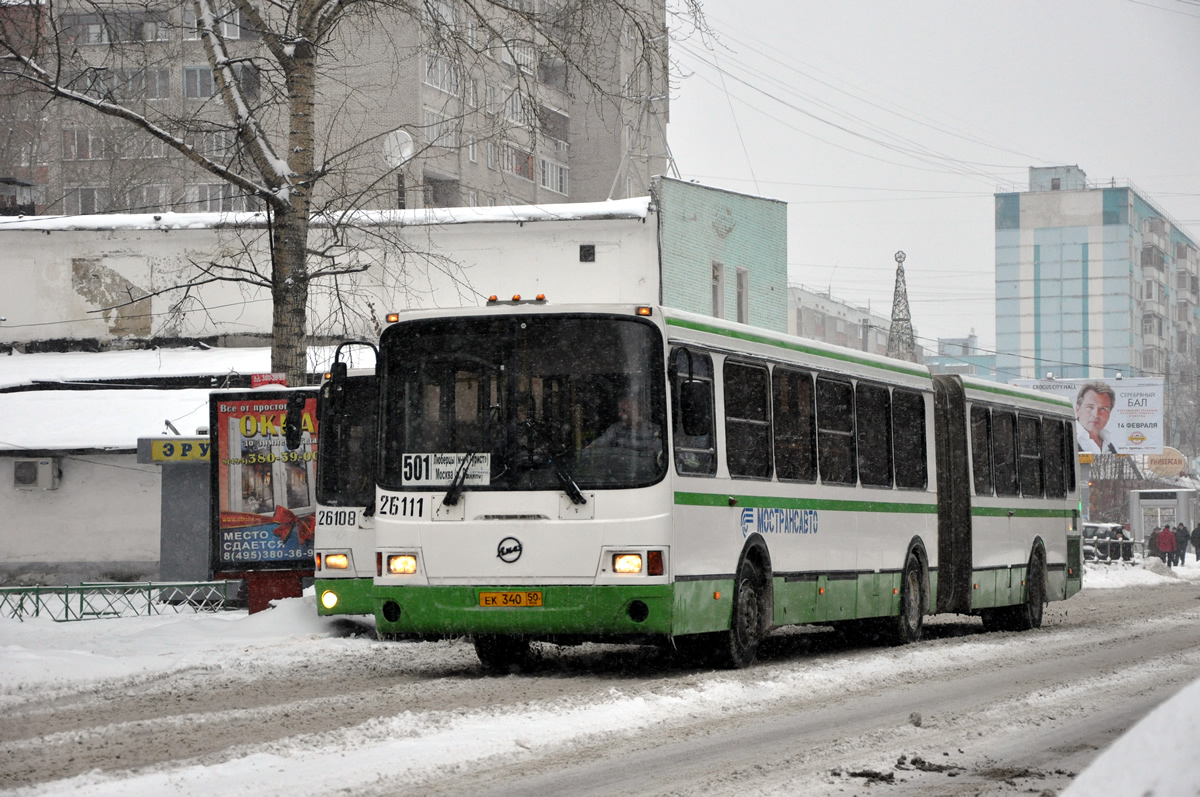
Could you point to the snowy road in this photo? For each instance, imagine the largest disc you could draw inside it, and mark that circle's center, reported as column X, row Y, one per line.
column 281, row 702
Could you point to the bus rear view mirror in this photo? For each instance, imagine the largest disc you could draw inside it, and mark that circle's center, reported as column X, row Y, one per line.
column 695, row 408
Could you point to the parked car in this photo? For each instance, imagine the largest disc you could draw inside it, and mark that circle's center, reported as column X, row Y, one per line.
column 1107, row 542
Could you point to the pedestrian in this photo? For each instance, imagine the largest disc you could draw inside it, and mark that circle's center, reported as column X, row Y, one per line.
column 1152, row 544
column 1196, row 540
column 1181, row 543
column 1166, row 545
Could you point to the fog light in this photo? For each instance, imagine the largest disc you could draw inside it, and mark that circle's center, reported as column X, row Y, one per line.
column 337, row 561
column 402, row 565
column 329, row 599
column 627, row 563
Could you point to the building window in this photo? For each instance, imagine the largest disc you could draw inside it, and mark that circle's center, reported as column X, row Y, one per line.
column 743, row 296
column 229, row 23
column 441, row 73
column 473, row 199
column 472, row 150
column 554, row 176
column 146, row 198
column 214, row 145
column 491, row 154
column 439, row 130
column 197, row 82
column 517, row 161
column 213, row 198
column 80, row 144
column 85, row 200
column 718, row 290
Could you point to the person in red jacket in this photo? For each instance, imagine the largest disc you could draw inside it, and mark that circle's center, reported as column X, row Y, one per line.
column 1166, row 545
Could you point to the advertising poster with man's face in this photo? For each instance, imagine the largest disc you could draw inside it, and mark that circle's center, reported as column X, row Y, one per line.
column 1112, row 416
column 265, row 494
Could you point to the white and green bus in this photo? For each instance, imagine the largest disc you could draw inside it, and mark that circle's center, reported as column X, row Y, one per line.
column 344, row 534
column 638, row 473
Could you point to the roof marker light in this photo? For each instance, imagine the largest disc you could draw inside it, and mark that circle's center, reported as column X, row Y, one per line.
column 516, row 297
column 541, row 297
column 393, row 318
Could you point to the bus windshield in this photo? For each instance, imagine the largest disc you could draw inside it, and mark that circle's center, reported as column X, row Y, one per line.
column 528, row 402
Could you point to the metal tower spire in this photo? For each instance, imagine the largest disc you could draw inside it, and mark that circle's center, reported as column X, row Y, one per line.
column 900, row 337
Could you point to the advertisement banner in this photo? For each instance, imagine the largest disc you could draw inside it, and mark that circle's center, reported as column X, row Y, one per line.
column 1112, row 416
column 264, row 496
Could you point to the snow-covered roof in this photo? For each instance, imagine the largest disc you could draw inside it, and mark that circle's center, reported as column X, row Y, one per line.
column 100, row 419
column 61, row 420
column 635, row 208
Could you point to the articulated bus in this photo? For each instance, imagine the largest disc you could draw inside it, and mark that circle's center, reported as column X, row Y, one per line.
column 642, row 474
column 344, row 536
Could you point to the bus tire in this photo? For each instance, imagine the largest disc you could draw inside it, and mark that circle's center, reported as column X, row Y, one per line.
column 1028, row 615
column 907, row 626
column 737, row 648
column 502, row 654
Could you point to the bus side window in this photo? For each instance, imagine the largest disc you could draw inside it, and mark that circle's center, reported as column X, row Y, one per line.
column 908, row 425
column 695, row 454
column 1052, row 448
column 835, row 431
column 794, row 426
column 1029, row 446
column 747, row 421
column 1068, row 453
column 1004, row 453
column 981, row 449
column 873, row 429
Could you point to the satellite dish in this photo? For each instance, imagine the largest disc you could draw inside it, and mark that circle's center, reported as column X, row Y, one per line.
column 397, row 148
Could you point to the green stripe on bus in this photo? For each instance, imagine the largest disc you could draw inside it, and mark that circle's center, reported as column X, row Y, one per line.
column 999, row 511
column 775, row 502
column 754, row 337
column 1000, row 391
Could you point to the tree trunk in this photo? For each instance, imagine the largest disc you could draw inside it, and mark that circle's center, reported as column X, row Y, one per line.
column 289, row 276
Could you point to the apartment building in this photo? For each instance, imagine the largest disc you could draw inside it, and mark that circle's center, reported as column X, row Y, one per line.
column 1092, row 280
column 429, row 107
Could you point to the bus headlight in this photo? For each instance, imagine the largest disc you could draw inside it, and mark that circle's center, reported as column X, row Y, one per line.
column 627, row 563
column 337, row 561
column 402, row 564
column 329, row 599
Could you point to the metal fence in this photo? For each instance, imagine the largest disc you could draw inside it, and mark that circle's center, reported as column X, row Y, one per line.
column 90, row 601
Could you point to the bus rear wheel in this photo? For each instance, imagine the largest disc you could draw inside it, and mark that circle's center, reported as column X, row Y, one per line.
column 1024, row 616
column 502, row 654
column 1028, row 615
column 906, row 627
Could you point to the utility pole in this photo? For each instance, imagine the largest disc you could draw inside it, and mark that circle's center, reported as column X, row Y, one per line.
column 901, row 345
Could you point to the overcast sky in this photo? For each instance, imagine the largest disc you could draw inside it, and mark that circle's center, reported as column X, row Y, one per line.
column 889, row 126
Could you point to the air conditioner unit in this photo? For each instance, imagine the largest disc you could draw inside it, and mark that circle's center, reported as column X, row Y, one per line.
column 36, row 474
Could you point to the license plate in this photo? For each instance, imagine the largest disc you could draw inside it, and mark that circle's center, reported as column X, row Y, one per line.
column 509, row 599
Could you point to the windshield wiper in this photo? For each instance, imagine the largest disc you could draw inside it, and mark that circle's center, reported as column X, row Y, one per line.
column 459, row 480
column 564, row 476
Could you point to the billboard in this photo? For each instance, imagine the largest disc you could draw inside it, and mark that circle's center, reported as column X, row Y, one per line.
column 263, row 496
column 1112, row 416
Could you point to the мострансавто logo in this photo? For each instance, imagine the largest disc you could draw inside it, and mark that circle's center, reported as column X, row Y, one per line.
column 765, row 520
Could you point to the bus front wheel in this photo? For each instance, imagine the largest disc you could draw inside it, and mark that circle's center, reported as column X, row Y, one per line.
column 748, row 626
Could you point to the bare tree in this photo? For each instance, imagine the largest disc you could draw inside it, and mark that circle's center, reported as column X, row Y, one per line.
column 252, row 117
